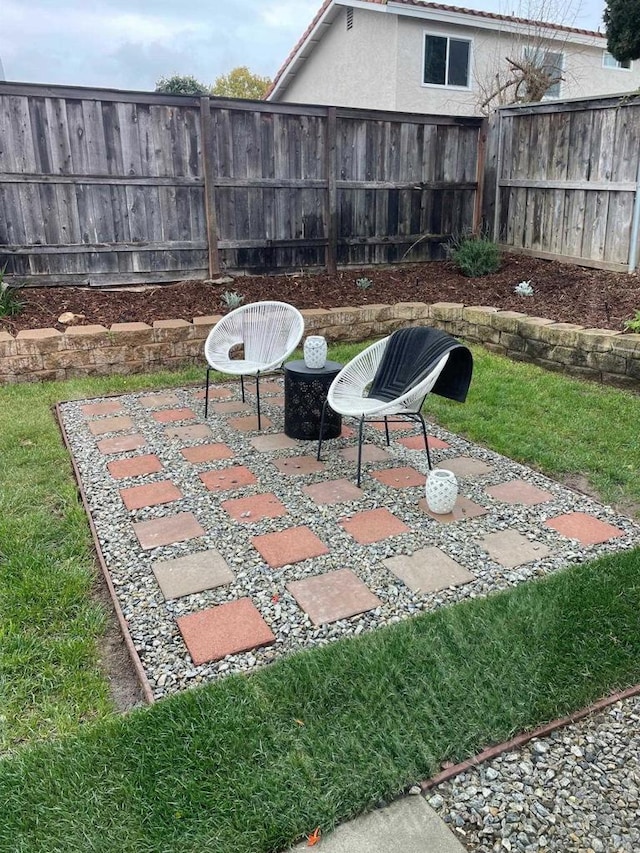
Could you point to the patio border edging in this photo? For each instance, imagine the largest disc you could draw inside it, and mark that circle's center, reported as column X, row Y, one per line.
column 602, row 355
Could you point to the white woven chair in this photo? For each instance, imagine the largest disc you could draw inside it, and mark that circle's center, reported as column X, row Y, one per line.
column 348, row 395
column 268, row 332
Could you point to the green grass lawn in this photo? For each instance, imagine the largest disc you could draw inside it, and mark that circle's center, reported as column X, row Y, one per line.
column 227, row 767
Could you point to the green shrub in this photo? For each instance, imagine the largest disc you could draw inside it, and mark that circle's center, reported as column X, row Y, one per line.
column 633, row 325
column 10, row 305
column 232, row 299
column 475, row 256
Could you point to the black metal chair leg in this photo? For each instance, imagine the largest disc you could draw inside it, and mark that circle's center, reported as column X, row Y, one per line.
column 206, row 394
column 258, row 399
column 360, row 431
column 242, row 386
column 386, row 430
column 426, row 441
column 321, row 436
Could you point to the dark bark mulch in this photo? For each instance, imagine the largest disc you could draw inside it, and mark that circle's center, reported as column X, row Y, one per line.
column 562, row 292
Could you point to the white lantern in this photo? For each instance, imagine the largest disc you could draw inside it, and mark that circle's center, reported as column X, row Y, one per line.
column 441, row 491
column 315, row 351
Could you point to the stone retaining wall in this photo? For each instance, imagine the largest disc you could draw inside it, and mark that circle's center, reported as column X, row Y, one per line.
column 599, row 354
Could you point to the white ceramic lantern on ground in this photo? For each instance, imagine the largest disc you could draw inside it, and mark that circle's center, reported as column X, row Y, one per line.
column 441, row 491
column 315, row 351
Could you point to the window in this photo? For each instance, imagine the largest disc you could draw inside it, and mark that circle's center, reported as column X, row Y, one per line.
column 551, row 63
column 446, row 61
column 609, row 61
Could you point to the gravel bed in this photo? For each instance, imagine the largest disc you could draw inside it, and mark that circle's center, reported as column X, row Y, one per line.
column 151, row 619
column 576, row 790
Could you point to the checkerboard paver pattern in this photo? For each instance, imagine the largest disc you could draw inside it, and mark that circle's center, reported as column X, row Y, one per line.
column 277, row 535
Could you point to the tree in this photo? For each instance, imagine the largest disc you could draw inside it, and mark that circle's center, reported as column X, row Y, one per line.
column 181, row 85
column 241, row 83
column 530, row 63
column 622, row 22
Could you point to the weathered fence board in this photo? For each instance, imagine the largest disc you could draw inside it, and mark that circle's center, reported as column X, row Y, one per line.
column 561, row 180
column 99, row 186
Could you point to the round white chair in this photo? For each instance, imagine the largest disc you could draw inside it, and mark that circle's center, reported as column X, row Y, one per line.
column 267, row 332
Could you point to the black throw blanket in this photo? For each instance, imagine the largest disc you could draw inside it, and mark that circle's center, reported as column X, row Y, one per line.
column 411, row 354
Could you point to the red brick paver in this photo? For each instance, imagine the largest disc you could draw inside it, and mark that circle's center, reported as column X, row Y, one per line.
column 399, row 478
column 207, row 452
column 121, row 443
column 289, row 546
column 248, row 510
column 115, row 424
column 519, row 492
column 168, row 416
column 394, row 426
column 109, row 407
column 167, row 530
column 227, row 629
column 332, row 596
column 228, row 478
column 587, row 529
column 333, row 491
column 134, row 466
column 372, row 525
column 151, row 494
column 215, row 394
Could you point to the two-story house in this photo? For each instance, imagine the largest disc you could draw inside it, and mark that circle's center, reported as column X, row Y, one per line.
column 417, row 56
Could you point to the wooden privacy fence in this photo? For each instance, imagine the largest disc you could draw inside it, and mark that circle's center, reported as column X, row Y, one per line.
column 101, row 186
column 562, row 180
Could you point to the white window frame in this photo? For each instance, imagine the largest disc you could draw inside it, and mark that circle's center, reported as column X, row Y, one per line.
column 448, row 37
column 563, row 62
column 618, row 66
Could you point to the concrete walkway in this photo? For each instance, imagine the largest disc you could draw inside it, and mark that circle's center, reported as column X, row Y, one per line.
column 409, row 825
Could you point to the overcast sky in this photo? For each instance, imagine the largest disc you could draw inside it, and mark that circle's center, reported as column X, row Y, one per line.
column 129, row 44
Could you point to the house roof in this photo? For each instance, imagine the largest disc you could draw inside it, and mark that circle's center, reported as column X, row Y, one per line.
column 328, row 5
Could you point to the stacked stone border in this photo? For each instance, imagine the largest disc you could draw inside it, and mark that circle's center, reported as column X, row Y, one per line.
column 602, row 355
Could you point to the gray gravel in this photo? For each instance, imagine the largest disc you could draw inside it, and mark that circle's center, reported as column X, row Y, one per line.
column 151, row 619
column 575, row 790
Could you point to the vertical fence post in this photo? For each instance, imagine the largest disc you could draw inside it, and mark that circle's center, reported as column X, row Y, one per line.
column 208, row 174
column 331, row 166
column 635, row 225
column 496, row 203
column 481, row 152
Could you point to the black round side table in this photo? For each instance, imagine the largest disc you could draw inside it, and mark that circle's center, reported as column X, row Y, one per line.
column 305, row 390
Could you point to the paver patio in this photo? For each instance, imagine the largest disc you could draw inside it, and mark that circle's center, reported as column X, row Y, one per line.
column 229, row 547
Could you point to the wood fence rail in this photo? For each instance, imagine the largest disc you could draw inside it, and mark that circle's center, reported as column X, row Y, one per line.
column 562, row 180
column 100, row 186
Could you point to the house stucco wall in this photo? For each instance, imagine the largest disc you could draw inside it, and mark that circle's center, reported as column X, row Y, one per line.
column 378, row 65
column 350, row 68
